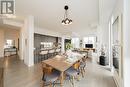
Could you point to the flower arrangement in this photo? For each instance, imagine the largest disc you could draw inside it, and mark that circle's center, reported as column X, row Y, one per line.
column 103, row 50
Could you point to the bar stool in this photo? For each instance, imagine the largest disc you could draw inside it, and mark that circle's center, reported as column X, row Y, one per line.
column 44, row 53
column 57, row 51
column 51, row 52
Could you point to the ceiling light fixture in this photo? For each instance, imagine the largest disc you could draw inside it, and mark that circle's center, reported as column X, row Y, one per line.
column 66, row 20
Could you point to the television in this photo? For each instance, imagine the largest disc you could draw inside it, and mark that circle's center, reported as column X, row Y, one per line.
column 88, row 45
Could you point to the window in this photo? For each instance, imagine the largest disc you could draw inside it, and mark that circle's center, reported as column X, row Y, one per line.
column 75, row 42
column 89, row 40
column 9, row 43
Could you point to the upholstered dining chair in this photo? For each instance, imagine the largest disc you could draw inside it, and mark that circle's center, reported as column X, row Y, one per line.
column 82, row 66
column 73, row 73
column 50, row 76
column 44, row 54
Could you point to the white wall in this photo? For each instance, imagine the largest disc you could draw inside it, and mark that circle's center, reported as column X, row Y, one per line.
column 106, row 8
column 118, row 12
column 12, row 34
column 126, row 42
column 5, row 34
column 44, row 31
column 122, row 7
column 1, row 43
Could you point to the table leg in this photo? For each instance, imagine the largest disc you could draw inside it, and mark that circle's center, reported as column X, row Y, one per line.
column 62, row 79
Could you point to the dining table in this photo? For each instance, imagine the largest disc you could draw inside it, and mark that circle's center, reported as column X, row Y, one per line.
column 61, row 63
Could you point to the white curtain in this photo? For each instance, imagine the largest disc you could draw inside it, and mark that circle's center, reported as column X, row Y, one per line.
column 75, row 42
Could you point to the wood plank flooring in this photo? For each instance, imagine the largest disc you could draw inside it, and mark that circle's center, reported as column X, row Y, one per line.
column 1, row 73
column 17, row 74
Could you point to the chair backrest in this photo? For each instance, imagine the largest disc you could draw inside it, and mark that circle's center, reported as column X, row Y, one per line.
column 47, row 70
column 76, row 65
column 51, row 51
column 83, row 63
column 57, row 50
column 44, row 52
column 84, row 59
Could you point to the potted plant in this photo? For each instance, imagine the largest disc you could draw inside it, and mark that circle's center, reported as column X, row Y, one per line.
column 68, row 46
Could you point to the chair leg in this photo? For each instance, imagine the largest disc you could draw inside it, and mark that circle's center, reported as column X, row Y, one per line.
column 78, row 77
column 73, row 83
column 82, row 72
column 54, row 85
column 47, row 56
column 43, row 84
column 50, row 84
column 70, row 80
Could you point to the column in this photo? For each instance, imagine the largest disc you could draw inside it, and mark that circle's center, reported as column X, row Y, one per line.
column 126, row 43
column 27, row 41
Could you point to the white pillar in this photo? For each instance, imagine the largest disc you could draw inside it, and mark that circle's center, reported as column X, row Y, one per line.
column 27, row 41
column 21, row 50
column 126, row 43
column 1, row 43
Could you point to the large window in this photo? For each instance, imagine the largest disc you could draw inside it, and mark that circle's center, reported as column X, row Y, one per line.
column 75, row 42
column 9, row 43
column 89, row 40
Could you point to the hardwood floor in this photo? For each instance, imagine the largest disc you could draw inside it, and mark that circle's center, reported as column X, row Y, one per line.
column 17, row 74
column 1, row 73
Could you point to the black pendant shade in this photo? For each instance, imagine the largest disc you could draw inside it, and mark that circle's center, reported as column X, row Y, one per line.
column 66, row 20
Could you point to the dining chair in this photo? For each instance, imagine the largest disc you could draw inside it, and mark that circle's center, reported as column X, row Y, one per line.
column 76, row 65
column 73, row 73
column 44, row 55
column 84, row 54
column 50, row 76
column 82, row 66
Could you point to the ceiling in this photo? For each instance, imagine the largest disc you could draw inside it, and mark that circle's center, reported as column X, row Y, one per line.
column 49, row 14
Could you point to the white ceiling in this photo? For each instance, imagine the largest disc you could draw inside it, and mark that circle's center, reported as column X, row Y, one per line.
column 49, row 14
column 106, row 9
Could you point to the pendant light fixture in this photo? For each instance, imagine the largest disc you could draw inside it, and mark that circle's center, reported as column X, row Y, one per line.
column 66, row 20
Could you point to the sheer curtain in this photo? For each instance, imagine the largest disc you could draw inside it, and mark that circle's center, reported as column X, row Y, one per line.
column 75, row 42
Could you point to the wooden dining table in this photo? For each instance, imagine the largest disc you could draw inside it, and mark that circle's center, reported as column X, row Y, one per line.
column 60, row 63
